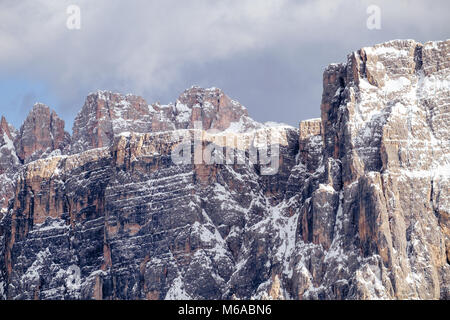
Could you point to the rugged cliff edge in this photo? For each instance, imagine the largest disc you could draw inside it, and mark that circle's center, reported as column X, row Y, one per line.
column 359, row 207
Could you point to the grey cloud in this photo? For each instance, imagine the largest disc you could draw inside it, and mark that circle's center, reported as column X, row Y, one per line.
column 267, row 54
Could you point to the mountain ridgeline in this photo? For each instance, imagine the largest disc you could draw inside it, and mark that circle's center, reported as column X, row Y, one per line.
column 358, row 208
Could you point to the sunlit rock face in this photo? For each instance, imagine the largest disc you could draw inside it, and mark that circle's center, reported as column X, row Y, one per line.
column 106, row 114
column 41, row 135
column 358, row 207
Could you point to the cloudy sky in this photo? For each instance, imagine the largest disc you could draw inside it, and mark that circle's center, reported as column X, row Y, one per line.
column 269, row 55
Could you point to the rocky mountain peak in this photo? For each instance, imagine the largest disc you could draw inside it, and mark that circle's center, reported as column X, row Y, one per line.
column 5, row 128
column 9, row 162
column 114, row 100
column 359, row 207
column 8, row 158
column 212, row 107
column 41, row 134
column 106, row 114
column 201, row 96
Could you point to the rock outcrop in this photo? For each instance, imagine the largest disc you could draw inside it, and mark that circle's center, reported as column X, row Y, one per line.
column 385, row 120
column 357, row 208
column 106, row 114
column 8, row 157
column 41, row 135
column 9, row 162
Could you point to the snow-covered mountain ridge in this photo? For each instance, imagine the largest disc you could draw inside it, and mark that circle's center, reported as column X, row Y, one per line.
column 358, row 209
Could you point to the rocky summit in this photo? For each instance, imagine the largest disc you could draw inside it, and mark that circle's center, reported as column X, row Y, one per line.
column 357, row 208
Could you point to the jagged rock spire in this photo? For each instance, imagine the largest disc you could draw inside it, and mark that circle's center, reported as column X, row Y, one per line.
column 41, row 133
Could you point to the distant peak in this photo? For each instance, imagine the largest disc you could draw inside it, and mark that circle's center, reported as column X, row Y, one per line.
column 115, row 96
column 39, row 105
column 42, row 110
column 198, row 95
column 102, row 93
column 201, row 90
column 4, row 126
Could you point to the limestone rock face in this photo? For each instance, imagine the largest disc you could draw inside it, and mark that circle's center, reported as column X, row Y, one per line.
column 136, row 225
column 9, row 162
column 310, row 140
column 386, row 158
column 358, row 207
column 41, row 134
column 106, row 114
column 8, row 157
column 213, row 109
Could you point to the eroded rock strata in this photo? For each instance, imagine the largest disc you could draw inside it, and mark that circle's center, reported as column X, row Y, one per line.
column 358, row 208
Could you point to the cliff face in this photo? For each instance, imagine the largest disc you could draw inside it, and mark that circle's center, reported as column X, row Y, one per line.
column 386, row 150
column 9, row 163
column 358, row 208
column 106, row 114
column 41, row 135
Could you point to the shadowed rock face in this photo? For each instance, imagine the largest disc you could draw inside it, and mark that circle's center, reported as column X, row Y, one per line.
column 359, row 208
column 6, row 128
column 386, row 156
column 8, row 157
column 9, row 162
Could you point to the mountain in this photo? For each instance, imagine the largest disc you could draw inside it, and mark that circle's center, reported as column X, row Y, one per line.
column 41, row 135
column 354, row 205
column 106, row 114
column 9, row 162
